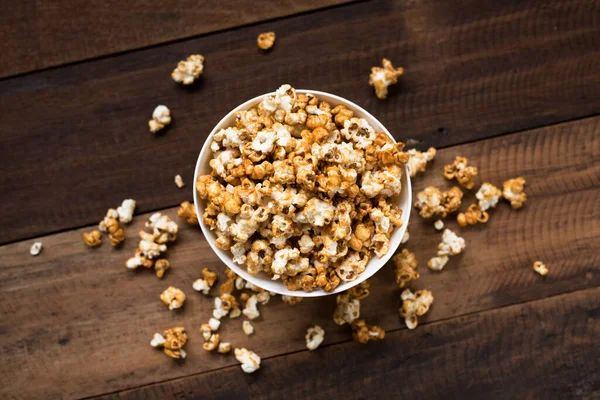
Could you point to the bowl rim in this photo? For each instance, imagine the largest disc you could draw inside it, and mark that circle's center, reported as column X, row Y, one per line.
column 208, row 235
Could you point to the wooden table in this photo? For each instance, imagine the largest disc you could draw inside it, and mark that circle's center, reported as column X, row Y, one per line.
column 513, row 85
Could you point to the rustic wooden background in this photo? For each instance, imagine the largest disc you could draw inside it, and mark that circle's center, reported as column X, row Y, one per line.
column 513, row 85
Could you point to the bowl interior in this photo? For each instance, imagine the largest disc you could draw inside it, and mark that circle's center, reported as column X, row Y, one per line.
column 262, row 280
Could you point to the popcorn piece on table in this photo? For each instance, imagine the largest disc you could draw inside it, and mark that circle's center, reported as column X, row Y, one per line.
column 36, row 248
column 451, row 245
column 432, row 201
column 214, row 324
column 163, row 228
column 488, row 196
column 291, row 300
column 347, row 309
column 439, row 224
column 139, row 260
column 161, row 266
column 206, row 331
column 472, row 216
column 360, row 291
column 250, row 361
column 179, row 181
column 513, row 191
column 224, row 347
column 247, row 328
column 364, row 333
column 418, row 160
column 414, row 305
column 189, row 70
column 462, row 172
column 172, row 342
column 437, row 263
column 206, row 282
column 314, row 337
column 188, row 212
column 93, row 238
column 381, row 78
column 250, row 311
column 110, row 225
column 265, row 40
column 172, row 297
column 540, row 268
column 126, row 210
column 235, row 312
column 212, row 343
column 405, row 264
column 161, row 117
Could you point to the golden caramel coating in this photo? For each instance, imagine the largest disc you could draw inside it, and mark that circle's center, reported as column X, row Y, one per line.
column 265, row 40
column 513, row 191
column 161, row 266
column 540, row 268
column 382, row 78
column 462, row 172
column 363, row 333
column 472, row 216
column 93, row 238
column 187, row 211
column 405, row 264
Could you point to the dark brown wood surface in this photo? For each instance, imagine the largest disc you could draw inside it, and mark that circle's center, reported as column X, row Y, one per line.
column 78, row 323
column 37, row 34
column 75, row 139
column 542, row 349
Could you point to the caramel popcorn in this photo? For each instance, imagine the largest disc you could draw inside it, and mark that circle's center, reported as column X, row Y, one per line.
column 172, row 297
column 250, row 361
column 265, row 40
column 488, row 196
column 432, row 201
column 172, row 342
column 472, row 216
column 347, row 309
column 250, row 311
column 513, row 192
column 110, row 225
column 224, row 347
column 437, row 263
column 405, row 264
column 291, row 300
column 360, row 291
column 381, row 78
column 418, row 160
column 439, row 224
column 189, row 70
column 125, row 211
column 540, row 268
column 299, row 191
column 212, row 343
column 414, row 305
column 363, row 333
column 235, row 312
column 214, row 324
column 160, row 266
column 247, row 328
column 208, row 280
column 36, row 248
column 451, row 245
column 161, row 117
column 462, row 172
column 179, row 181
column 314, row 337
column 93, row 238
column 139, row 260
column 206, row 331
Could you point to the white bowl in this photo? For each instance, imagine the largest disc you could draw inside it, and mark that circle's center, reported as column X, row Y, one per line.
column 262, row 280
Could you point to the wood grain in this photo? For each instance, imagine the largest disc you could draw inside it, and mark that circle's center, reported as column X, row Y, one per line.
column 75, row 140
column 542, row 349
column 40, row 34
column 78, row 323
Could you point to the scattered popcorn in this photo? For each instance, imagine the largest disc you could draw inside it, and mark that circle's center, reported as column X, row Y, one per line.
column 291, row 300
column 437, row 263
column 212, row 343
column 110, row 225
column 172, row 342
column 299, row 191
column 189, row 70
column 125, row 211
column 139, row 260
column 314, row 337
column 488, row 196
column 93, row 238
column 208, row 280
column 188, row 212
column 163, row 228
column 513, row 192
column 36, row 248
column 266, row 40
column 347, row 309
column 206, row 331
column 418, row 160
column 405, row 264
column 161, row 117
column 414, row 305
column 364, row 333
column 540, row 268
column 472, row 216
column 463, row 173
column 438, row 225
column 250, row 311
column 360, row 291
column 179, row 181
column 224, row 347
column 432, row 201
column 451, row 244
column 247, row 328
column 160, row 266
column 381, row 78
column 220, row 311
column 250, row 361
column 173, row 297
column 214, row 324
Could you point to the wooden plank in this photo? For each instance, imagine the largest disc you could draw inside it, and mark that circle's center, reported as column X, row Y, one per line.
column 501, row 67
column 41, row 34
column 78, row 324
column 543, row 349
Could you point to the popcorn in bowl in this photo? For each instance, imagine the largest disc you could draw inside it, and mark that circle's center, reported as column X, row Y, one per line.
column 301, row 190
